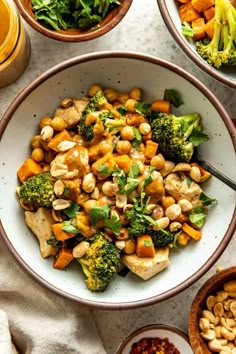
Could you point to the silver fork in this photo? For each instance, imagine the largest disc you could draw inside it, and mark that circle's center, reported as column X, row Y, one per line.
column 208, row 167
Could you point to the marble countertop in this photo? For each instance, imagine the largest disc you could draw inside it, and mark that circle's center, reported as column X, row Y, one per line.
column 142, row 30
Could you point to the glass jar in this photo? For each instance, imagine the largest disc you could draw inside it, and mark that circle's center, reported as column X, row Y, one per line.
column 14, row 44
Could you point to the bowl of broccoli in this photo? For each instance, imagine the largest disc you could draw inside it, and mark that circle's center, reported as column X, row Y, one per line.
column 205, row 31
column 104, row 202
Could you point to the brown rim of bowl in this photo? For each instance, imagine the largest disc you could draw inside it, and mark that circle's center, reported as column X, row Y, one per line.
column 75, row 35
column 187, row 49
column 144, row 329
column 209, row 287
column 195, row 82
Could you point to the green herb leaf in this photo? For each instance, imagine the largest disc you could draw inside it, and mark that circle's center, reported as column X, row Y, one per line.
column 72, row 211
column 137, row 138
column 197, row 137
column 131, row 184
column 142, row 108
column 134, row 170
column 114, row 224
column 189, row 181
column 173, row 96
column 120, row 176
column 198, row 216
column 70, row 228
column 97, row 214
column 122, row 110
column 66, row 191
column 206, row 200
column 104, row 171
column 148, row 243
column 52, row 241
column 148, row 179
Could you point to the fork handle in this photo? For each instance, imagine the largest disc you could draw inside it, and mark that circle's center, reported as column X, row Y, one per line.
column 218, row 174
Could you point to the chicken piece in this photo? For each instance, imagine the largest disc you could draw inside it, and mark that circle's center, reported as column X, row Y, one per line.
column 40, row 222
column 74, row 186
column 75, row 159
column 146, row 267
column 179, row 187
column 72, row 114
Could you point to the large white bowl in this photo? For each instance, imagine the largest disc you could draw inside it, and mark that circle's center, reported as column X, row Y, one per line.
column 121, row 71
column 169, row 11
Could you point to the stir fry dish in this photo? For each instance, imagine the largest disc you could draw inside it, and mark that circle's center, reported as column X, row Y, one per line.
column 211, row 24
column 112, row 184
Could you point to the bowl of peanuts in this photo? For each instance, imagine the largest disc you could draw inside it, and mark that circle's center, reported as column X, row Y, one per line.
column 92, row 181
column 212, row 318
column 192, row 25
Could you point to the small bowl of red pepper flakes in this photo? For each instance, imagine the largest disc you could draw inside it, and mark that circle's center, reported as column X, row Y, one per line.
column 156, row 339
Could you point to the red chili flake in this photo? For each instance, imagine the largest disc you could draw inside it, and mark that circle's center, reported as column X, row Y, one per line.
column 154, row 346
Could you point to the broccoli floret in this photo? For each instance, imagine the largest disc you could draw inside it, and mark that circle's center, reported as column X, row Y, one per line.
column 173, row 134
column 101, row 261
column 161, row 237
column 111, row 124
column 221, row 49
column 85, row 129
column 37, row 191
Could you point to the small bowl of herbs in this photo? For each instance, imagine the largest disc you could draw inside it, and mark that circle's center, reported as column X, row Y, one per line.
column 72, row 20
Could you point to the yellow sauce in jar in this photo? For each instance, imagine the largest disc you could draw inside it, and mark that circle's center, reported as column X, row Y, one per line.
column 5, row 22
column 14, row 44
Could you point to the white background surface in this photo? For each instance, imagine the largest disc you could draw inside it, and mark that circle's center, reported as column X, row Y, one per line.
column 142, row 30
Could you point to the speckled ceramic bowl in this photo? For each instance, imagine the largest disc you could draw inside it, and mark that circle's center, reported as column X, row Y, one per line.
column 174, row 335
column 122, row 71
column 74, row 34
column 169, row 11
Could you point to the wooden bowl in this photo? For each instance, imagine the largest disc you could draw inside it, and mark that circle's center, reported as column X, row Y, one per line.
column 211, row 286
column 74, row 34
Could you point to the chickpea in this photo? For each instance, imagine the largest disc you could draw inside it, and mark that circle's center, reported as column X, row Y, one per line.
column 127, row 133
column 167, row 201
column 107, row 106
column 44, row 145
column 111, row 94
column 46, row 168
column 36, row 142
column 46, row 120
column 123, row 235
column 130, row 105
column 49, row 156
column 130, row 246
column 105, row 147
column 67, row 102
column 123, row 97
column 37, row 154
column 135, row 93
column 144, row 128
column 93, row 89
column 158, row 161
column 123, row 147
column 58, row 124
